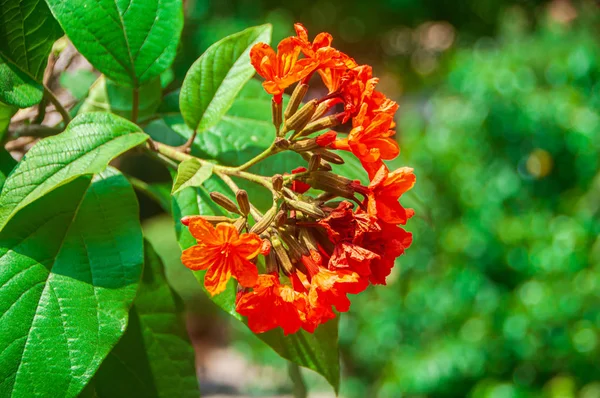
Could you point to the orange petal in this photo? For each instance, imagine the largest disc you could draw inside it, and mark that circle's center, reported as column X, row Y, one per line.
column 261, row 54
column 217, row 276
column 227, row 232
column 197, row 258
column 399, row 181
column 248, row 245
column 203, row 231
column 243, row 270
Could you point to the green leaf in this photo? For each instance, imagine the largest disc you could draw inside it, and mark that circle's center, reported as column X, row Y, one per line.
column 317, row 351
column 130, row 41
column 7, row 163
column 70, row 264
column 6, row 113
column 87, row 145
column 215, row 79
column 27, row 33
column 17, row 88
column 106, row 95
column 155, row 357
column 191, row 173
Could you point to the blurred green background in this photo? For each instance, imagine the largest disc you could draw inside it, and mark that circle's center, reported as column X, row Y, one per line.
column 499, row 296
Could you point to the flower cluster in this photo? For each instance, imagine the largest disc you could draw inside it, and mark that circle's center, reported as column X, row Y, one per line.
column 326, row 236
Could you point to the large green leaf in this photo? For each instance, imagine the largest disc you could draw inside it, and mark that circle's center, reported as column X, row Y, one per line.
column 106, row 95
column 6, row 113
column 87, row 145
column 17, row 88
column 7, row 163
column 130, row 41
column 155, row 357
column 70, row 264
column 215, row 79
column 27, row 32
column 317, row 351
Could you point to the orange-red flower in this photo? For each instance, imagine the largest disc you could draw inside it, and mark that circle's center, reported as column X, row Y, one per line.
column 345, row 230
column 385, row 190
column 271, row 304
column 330, row 287
column 333, row 63
column 297, row 185
column 389, row 242
column 223, row 252
column 370, row 140
column 283, row 68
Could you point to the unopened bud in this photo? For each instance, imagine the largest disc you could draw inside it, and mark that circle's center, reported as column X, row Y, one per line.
column 330, row 156
column 323, row 123
column 277, row 181
column 301, row 117
column 323, row 164
column 224, row 202
column 276, row 108
column 211, row 219
column 282, row 143
column 321, row 109
column 282, row 256
column 242, row 198
column 240, row 224
column 333, row 183
column 264, row 223
column 308, row 239
column 296, row 99
column 306, row 208
column 271, row 262
column 280, row 218
column 314, row 162
column 295, row 249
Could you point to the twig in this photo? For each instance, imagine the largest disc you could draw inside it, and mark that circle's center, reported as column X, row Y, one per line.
column 57, row 105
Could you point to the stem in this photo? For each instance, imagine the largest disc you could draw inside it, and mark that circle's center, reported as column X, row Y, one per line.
column 135, row 105
column 59, row 107
column 300, row 390
column 270, row 151
column 176, row 154
column 188, row 144
column 234, row 188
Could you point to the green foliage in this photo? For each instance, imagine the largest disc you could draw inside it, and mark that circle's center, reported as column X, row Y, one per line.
column 154, row 358
column 17, row 88
column 191, row 173
column 214, row 80
column 107, row 96
column 27, row 33
column 70, row 264
column 131, row 42
column 498, row 295
column 6, row 112
column 89, row 143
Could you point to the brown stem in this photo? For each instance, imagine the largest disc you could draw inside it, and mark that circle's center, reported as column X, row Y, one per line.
column 59, row 107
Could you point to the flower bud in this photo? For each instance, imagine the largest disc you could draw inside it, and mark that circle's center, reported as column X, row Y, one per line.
column 323, row 164
column 333, row 183
column 240, row 224
column 296, row 99
column 306, row 208
column 264, row 223
column 282, row 256
column 330, row 156
column 321, row 109
column 277, row 181
column 242, row 198
column 323, row 123
column 282, row 143
column 280, row 218
column 301, row 117
column 211, row 219
column 271, row 262
column 276, row 109
column 224, row 202
column 314, row 162
column 295, row 249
